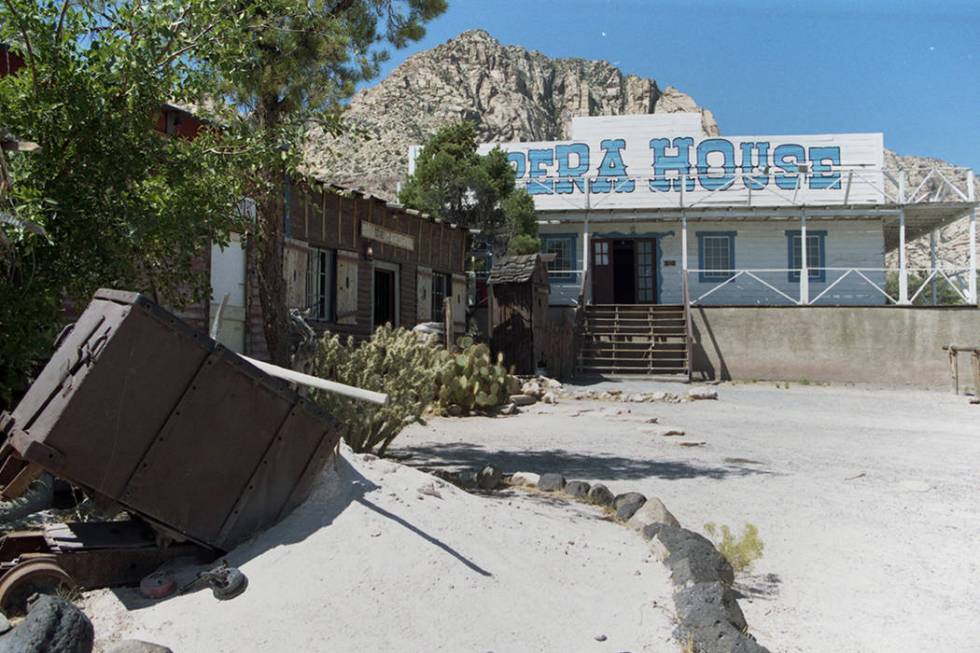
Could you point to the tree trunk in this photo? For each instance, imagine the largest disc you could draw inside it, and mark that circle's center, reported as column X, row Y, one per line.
column 269, row 269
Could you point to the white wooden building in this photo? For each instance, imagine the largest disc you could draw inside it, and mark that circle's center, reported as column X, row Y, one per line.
column 632, row 206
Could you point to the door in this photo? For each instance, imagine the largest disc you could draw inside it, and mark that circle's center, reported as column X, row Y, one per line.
column 228, row 280
column 646, row 270
column 602, row 271
column 384, row 297
column 624, row 271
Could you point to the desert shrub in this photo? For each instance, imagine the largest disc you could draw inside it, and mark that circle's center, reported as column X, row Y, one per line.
column 400, row 363
column 741, row 552
column 471, row 379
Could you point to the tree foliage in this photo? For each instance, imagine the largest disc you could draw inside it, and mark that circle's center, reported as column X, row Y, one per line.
column 122, row 206
column 452, row 181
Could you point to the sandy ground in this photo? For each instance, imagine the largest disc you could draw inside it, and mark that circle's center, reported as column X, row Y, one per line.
column 371, row 564
column 868, row 501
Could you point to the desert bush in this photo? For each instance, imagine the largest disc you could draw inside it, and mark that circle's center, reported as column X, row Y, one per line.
column 471, row 379
column 400, row 363
column 741, row 552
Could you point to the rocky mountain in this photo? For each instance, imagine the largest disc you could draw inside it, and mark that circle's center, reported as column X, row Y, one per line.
column 512, row 94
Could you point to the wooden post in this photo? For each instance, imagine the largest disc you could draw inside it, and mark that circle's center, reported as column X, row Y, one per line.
column 976, row 376
column 447, row 311
column 804, row 266
column 954, row 370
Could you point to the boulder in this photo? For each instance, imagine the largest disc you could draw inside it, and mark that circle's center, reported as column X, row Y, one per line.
column 526, row 479
column 702, row 393
column 522, row 400
column 489, row 478
column 720, row 638
column 532, row 388
column 551, row 482
column 627, row 504
column 705, row 604
column 549, row 398
column 467, row 479
column 691, row 557
column 52, row 625
column 137, row 646
column 577, row 489
column 508, row 409
column 600, row 495
column 652, row 512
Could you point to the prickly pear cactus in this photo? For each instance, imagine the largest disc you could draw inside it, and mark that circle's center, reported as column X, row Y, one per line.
column 472, row 379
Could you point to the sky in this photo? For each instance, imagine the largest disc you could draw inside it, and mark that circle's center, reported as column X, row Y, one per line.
column 908, row 69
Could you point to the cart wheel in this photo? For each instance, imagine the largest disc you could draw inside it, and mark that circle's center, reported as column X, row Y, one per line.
column 28, row 578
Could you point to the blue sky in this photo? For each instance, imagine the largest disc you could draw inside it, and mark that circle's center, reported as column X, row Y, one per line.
column 908, row 69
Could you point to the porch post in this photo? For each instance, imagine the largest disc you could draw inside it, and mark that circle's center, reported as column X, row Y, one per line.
column 973, row 256
column 684, row 280
column 804, row 268
column 903, row 273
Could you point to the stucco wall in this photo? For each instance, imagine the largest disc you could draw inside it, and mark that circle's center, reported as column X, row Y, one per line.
column 885, row 345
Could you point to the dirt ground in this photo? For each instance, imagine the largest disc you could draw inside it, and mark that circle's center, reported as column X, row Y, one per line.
column 868, row 500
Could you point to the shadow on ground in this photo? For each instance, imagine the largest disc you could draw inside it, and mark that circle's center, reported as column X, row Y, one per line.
column 452, row 456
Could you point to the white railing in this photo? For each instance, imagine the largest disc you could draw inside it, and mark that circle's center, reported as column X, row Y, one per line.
column 869, row 279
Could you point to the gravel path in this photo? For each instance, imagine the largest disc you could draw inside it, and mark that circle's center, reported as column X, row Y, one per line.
column 867, row 500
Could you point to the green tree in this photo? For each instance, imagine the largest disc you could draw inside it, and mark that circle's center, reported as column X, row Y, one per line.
column 299, row 61
column 522, row 223
column 116, row 204
column 452, row 181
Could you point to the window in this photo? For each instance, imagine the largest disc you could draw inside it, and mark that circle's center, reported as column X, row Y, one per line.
column 441, row 289
column 319, row 284
column 644, row 271
column 563, row 247
column 815, row 254
column 716, row 255
column 601, row 252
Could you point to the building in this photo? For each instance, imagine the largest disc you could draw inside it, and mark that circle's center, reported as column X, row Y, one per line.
column 352, row 262
column 648, row 210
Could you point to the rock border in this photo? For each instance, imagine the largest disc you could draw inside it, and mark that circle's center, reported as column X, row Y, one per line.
column 710, row 619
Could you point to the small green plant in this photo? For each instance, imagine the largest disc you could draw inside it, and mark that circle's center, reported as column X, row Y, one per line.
column 471, row 379
column 741, row 552
column 397, row 362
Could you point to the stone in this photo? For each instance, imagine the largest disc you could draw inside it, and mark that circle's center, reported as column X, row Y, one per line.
column 525, row 479
column 522, row 400
column 508, row 409
column 551, row 482
column 577, row 489
column 691, row 557
column 718, row 638
column 5, row 624
column 628, row 503
column 652, row 512
column 600, row 638
column 467, row 479
column 489, row 478
column 52, row 625
column 702, row 393
column 429, row 489
column 549, row 398
column 600, row 495
column 664, row 431
column 532, row 388
column 137, row 646
column 454, row 410
column 704, row 604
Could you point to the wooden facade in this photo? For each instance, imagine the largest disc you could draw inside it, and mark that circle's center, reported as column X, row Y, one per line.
column 364, row 234
column 519, row 311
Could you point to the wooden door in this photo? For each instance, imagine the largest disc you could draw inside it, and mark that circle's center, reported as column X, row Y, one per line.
column 602, row 271
column 645, row 257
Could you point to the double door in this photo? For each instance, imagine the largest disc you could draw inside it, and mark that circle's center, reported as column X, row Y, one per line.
column 624, row 270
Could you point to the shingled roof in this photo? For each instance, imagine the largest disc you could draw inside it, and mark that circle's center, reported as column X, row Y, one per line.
column 513, row 269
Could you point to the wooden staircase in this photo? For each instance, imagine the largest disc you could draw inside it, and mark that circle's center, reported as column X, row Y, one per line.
column 634, row 339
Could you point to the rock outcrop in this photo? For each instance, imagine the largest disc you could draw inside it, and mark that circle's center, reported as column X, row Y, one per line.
column 510, row 93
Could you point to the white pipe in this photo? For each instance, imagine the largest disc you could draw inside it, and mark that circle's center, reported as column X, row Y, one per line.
column 320, row 384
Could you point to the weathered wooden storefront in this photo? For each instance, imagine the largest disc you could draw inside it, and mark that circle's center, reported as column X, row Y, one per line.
column 354, row 262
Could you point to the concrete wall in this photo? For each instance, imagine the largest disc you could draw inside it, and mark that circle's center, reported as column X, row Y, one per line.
column 885, row 345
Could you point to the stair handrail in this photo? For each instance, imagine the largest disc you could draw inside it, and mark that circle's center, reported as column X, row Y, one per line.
column 688, row 336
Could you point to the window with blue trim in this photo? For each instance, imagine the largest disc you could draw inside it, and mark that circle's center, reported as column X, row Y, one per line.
column 816, row 254
column 564, row 248
column 716, row 255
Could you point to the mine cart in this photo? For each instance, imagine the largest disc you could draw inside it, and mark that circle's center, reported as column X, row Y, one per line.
column 139, row 409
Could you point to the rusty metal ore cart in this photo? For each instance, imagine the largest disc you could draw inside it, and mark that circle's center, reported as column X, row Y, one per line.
column 138, row 407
